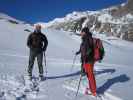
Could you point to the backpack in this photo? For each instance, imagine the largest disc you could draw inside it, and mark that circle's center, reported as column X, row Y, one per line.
column 36, row 40
column 98, row 49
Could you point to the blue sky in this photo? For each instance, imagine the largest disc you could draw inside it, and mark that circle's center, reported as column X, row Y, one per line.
column 45, row 10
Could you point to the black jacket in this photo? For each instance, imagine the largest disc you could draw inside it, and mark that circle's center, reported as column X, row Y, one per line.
column 87, row 49
column 37, row 41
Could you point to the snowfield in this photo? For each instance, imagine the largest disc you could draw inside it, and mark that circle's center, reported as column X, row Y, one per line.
column 113, row 74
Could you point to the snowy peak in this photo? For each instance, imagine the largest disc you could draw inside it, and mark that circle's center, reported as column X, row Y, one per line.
column 9, row 19
column 114, row 21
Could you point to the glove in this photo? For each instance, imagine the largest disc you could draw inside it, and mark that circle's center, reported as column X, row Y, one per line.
column 100, row 61
column 44, row 49
column 77, row 53
column 83, row 73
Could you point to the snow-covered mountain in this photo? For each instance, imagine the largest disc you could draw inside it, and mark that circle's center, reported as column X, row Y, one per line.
column 10, row 19
column 113, row 75
column 114, row 21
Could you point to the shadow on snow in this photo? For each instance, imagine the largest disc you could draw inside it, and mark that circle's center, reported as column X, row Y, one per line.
column 102, row 71
column 118, row 79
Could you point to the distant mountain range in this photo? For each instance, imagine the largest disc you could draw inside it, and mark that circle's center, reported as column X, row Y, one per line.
column 10, row 19
column 114, row 21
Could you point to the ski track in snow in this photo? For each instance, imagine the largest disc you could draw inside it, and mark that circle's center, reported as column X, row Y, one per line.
column 14, row 88
column 15, row 85
column 64, row 61
column 72, row 86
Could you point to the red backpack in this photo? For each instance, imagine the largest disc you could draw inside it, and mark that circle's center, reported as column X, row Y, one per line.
column 98, row 49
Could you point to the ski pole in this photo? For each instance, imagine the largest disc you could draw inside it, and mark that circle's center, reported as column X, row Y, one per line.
column 45, row 64
column 78, row 85
column 45, row 59
column 46, row 72
column 74, row 59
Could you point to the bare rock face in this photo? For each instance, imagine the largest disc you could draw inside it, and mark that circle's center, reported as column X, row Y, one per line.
column 129, row 6
column 122, row 10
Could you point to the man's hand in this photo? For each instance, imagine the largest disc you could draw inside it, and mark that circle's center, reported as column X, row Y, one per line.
column 100, row 61
column 77, row 53
column 44, row 49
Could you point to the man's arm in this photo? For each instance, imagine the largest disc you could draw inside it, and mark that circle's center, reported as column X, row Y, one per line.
column 45, row 42
column 78, row 52
column 29, row 41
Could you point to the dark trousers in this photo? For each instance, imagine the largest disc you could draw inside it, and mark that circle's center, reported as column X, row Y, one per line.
column 39, row 56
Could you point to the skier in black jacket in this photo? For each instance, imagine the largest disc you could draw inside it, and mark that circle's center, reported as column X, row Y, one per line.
column 37, row 43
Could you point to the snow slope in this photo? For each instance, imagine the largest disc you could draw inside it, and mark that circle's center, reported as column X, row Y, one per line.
column 113, row 75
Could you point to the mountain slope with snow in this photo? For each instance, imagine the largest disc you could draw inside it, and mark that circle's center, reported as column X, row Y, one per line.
column 113, row 74
column 114, row 21
column 10, row 19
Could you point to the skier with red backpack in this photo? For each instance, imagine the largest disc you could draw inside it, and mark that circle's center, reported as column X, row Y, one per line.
column 91, row 50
